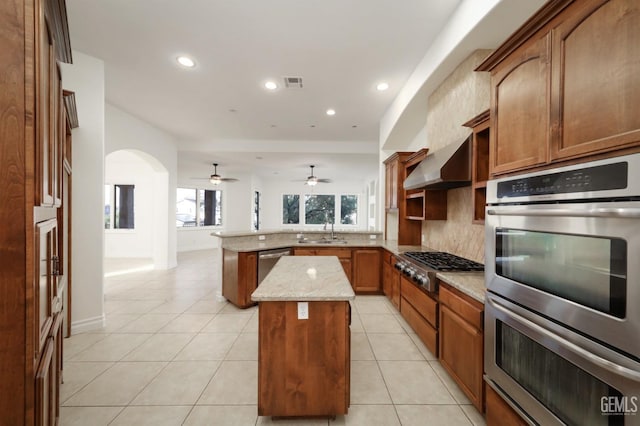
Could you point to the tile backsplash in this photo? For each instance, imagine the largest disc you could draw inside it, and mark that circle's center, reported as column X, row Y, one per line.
column 460, row 97
column 457, row 234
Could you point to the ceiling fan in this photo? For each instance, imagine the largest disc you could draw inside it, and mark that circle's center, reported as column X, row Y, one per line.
column 312, row 180
column 216, row 179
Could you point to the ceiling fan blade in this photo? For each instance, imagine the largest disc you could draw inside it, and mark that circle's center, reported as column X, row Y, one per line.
column 229, row 179
column 324, row 180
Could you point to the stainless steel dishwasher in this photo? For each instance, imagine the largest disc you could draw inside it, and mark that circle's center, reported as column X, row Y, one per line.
column 267, row 260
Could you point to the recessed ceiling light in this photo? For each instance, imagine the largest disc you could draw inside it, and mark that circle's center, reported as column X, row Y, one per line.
column 382, row 86
column 186, row 61
column 271, row 85
column 331, row 111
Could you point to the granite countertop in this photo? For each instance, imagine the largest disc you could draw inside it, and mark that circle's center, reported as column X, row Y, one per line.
column 470, row 283
column 233, row 234
column 268, row 245
column 305, row 279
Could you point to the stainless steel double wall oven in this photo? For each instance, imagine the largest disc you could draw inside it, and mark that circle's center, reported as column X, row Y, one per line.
column 562, row 314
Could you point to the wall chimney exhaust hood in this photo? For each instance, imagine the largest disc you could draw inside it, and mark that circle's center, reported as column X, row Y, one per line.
column 446, row 168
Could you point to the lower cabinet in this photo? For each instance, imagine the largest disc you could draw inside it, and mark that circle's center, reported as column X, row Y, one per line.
column 421, row 313
column 499, row 412
column 49, row 377
column 461, row 342
column 304, row 365
column 239, row 276
column 390, row 278
column 366, row 271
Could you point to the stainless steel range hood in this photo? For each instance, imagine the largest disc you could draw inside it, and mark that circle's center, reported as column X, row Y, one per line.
column 446, row 168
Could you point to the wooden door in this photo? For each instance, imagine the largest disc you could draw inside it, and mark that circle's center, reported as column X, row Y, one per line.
column 596, row 78
column 366, row 270
column 520, row 109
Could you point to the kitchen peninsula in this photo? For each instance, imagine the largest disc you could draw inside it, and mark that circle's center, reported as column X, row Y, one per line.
column 304, row 338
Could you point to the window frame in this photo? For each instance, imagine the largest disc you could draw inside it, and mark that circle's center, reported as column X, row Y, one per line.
column 302, row 220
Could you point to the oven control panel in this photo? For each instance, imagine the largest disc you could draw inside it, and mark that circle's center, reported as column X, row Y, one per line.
column 596, row 178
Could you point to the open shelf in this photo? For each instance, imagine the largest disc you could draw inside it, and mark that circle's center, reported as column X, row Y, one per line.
column 480, row 164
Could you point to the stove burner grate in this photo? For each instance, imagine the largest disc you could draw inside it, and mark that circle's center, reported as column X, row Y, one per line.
column 442, row 261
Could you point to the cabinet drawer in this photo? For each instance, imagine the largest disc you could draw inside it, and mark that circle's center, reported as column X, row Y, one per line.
column 342, row 253
column 426, row 306
column 462, row 307
column 423, row 329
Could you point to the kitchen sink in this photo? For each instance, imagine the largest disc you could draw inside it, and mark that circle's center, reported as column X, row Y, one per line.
column 322, row 241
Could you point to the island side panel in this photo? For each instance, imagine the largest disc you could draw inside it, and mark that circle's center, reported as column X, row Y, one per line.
column 303, row 365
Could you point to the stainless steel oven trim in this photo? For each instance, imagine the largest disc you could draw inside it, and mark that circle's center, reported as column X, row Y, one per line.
column 607, row 365
column 632, row 189
column 585, row 319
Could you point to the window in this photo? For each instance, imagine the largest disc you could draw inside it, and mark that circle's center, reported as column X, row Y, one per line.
column 256, row 210
column 198, row 207
column 290, row 209
column 118, row 206
column 349, row 209
column 319, row 209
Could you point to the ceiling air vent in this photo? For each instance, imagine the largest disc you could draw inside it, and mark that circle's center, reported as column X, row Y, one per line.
column 293, row 82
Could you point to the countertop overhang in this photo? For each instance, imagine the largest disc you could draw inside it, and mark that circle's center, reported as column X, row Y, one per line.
column 305, row 279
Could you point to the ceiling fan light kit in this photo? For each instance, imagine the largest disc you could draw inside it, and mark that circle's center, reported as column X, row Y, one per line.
column 216, row 179
column 312, row 180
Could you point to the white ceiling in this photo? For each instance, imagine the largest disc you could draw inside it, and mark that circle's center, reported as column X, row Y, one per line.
column 220, row 112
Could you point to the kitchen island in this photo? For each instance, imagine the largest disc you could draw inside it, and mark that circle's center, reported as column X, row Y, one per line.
column 304, row 351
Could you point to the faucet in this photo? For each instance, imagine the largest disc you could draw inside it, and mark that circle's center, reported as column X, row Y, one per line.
column 326, row 222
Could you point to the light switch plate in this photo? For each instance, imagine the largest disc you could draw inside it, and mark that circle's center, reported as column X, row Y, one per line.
column 262, row 237
column 303, row 310
column 373, row 236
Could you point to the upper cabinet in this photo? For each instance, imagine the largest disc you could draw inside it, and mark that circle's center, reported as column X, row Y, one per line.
column 396, row 199
column 595, row 90
column 565, row 85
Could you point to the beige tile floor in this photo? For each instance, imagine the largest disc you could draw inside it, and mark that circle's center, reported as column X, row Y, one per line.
column 172, row 353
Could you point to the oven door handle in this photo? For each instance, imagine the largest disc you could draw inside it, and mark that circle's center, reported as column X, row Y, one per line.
column 623, row 213
column 567, row 345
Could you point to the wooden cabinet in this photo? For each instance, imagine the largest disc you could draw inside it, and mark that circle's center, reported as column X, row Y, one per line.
column 595, row 78
column 421, row 313
column 32, row 123
column 49, row 377
column 461, row 342
column 499, row 412
column 520, row 109
column 421, row 204
column 479, row 164
column 409, row 230
column 343, row 254
column 366, row 270
column 304, row 365
column 239, row 276
column 390, row 278
column 391, row 185
column 565, row 86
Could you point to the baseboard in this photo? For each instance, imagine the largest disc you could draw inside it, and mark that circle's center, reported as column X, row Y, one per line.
column 89, row 324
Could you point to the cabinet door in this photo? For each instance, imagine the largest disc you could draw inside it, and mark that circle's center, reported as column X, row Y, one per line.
column 366, row 270
column 247, row 277
column 461, row 353
column 386, row 279
column 346, row 265
column 391, row 185
column 596, row 78
column 520, row 109
column 45, row 288
column 45, row 398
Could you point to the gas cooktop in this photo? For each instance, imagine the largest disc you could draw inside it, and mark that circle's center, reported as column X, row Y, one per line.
column 422, row 266
column 442, row 261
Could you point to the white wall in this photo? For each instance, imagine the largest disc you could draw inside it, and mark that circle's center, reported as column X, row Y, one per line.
column 86, row 78
column 126, row 132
